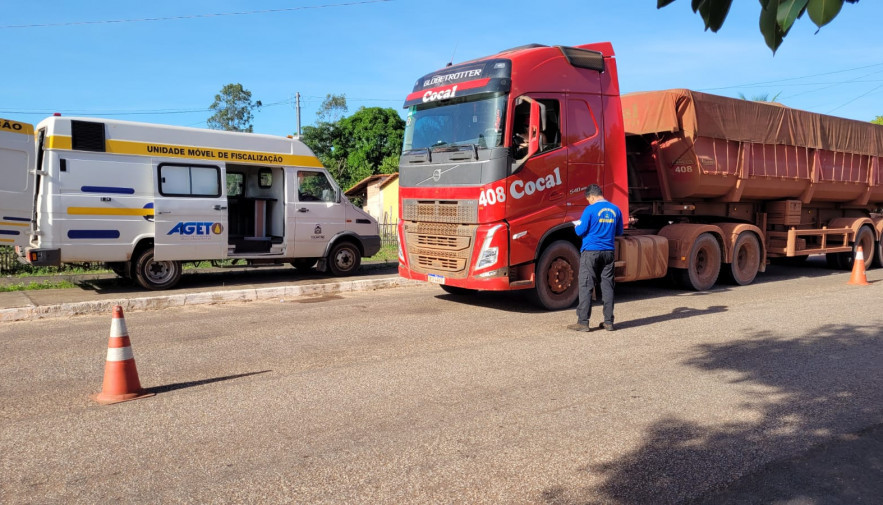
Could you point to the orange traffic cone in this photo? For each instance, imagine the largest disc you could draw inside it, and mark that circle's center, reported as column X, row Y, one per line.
column 120, row 375
column 858, row 277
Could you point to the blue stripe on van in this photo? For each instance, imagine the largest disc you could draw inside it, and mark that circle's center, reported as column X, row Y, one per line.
column 10, row 218
column 93, row 234
column 107, row 189
column 9, row 232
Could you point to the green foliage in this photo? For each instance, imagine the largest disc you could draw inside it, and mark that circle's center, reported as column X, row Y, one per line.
column 233, row 109
column 776, row 16
column 332, row 109
column 761, row 98
column 878, row 120
column 366, row 143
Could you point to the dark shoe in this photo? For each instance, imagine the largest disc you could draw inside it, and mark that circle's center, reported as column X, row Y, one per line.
column 607, row 326
column 579, row 327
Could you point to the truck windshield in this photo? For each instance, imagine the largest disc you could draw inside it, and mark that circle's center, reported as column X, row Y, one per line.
column 476, row 120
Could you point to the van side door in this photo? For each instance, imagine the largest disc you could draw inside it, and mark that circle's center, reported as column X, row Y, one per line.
column 315, row 211
column 190, row 212
column 16, row 182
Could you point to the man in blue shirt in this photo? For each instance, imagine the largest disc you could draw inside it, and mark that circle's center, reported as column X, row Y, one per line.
column 600, row 223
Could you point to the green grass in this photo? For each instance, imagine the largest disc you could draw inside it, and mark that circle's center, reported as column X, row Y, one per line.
column 386, row 253
column 31, row 286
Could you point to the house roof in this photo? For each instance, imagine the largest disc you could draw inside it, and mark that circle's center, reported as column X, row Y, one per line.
column 362, row 185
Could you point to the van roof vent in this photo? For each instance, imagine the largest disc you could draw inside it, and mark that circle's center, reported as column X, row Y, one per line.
column 87, row 136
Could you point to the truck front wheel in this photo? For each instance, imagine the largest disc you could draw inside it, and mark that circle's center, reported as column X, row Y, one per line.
column 557, row 275
column 156, row 275
column 344, row 259
column 703, row 264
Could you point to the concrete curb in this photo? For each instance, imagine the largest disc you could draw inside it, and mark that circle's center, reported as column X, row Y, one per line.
column 208, row 298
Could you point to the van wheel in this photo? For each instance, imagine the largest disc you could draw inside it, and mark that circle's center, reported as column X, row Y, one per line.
column 703, row 264
column 121, row 268
column 156, row 275
column 557, row 276
column 344, row 259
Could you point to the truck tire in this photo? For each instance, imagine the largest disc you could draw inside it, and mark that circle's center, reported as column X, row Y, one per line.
column 557, row 276
column 746, row 259
column 155, row 275
column 703, row 264
column 865, row 239
column 344, row 259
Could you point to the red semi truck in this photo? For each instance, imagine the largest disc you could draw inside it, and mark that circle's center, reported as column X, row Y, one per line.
column 498, row 152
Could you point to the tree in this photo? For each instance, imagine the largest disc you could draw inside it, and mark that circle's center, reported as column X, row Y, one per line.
column 776, row 16
column 233, row 109
column 761, row 98
column 332, row 109
column 366, row 143
column 878, row 120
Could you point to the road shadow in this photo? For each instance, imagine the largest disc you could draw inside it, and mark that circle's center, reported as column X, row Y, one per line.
column 803, row 392
column 226, row 278
column 183, row 385
column 678, row 313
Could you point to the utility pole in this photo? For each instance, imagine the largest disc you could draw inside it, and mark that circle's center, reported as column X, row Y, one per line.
column 297, row 106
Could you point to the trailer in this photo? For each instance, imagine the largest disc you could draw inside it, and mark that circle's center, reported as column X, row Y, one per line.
column 145, row 198
column 499, row 150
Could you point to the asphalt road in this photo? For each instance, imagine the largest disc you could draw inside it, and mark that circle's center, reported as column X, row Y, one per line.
column 409, row 395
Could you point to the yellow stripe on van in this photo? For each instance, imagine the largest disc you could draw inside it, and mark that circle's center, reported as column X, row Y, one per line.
column 4, row 223
column 107, row 211
column 7, row 240
column 8, row 125
column 194, row 153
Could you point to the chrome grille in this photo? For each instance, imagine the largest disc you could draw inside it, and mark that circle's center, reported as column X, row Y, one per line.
column 440, row 248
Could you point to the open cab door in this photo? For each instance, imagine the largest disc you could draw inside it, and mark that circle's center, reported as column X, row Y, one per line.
column 17, row 167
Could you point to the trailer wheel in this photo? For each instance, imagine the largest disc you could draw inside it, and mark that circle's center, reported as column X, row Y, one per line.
column 865, row 239
column 879, row 257
column 344, row 259
column 704, row 264
column 156, row 275
column 457, row 290
column 556, row 276
column 746, row 259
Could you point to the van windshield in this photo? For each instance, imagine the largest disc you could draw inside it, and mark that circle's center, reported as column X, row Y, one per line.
column 475, row 120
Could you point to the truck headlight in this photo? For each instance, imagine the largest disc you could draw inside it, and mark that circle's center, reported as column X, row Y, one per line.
column 488, row 258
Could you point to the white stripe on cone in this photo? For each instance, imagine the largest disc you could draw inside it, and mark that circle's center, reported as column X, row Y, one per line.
column 120, row 353
column 859, row 255
column 118, row 327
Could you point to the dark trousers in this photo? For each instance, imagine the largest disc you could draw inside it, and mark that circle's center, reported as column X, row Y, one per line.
column 595, row 267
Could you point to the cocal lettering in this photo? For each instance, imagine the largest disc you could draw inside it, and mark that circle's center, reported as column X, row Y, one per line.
column 433, row 96
column 518, row 189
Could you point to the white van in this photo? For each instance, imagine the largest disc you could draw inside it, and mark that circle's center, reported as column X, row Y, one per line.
column 144, row 198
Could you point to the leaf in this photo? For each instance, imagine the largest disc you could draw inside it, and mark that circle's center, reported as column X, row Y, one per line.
column 788, row 12
column 769, row 27
column 714, row 12
column 662, row 3
column 821, row 12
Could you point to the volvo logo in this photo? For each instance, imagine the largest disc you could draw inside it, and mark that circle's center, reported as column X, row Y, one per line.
column 436, row 176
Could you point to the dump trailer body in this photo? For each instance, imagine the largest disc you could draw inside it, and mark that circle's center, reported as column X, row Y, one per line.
column 713, row 147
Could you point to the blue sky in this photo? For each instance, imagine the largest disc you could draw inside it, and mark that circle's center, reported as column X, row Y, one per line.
column 86, row 58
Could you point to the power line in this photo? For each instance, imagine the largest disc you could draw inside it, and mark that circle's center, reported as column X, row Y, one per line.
column 193, row 16
column 764, row 83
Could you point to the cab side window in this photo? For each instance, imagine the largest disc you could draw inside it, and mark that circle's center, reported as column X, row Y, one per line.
column 550, row 134
column 315, row 187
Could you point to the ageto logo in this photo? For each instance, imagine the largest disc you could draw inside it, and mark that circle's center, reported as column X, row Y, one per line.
column 197, row 228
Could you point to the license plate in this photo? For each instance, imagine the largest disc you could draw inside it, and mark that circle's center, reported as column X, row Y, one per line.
column 436, row 279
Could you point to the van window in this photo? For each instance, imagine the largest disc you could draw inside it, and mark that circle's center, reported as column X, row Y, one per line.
column 189, row 180
column 314, row 187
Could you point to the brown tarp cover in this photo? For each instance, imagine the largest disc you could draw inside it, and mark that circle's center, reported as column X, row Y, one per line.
column 697, row 114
